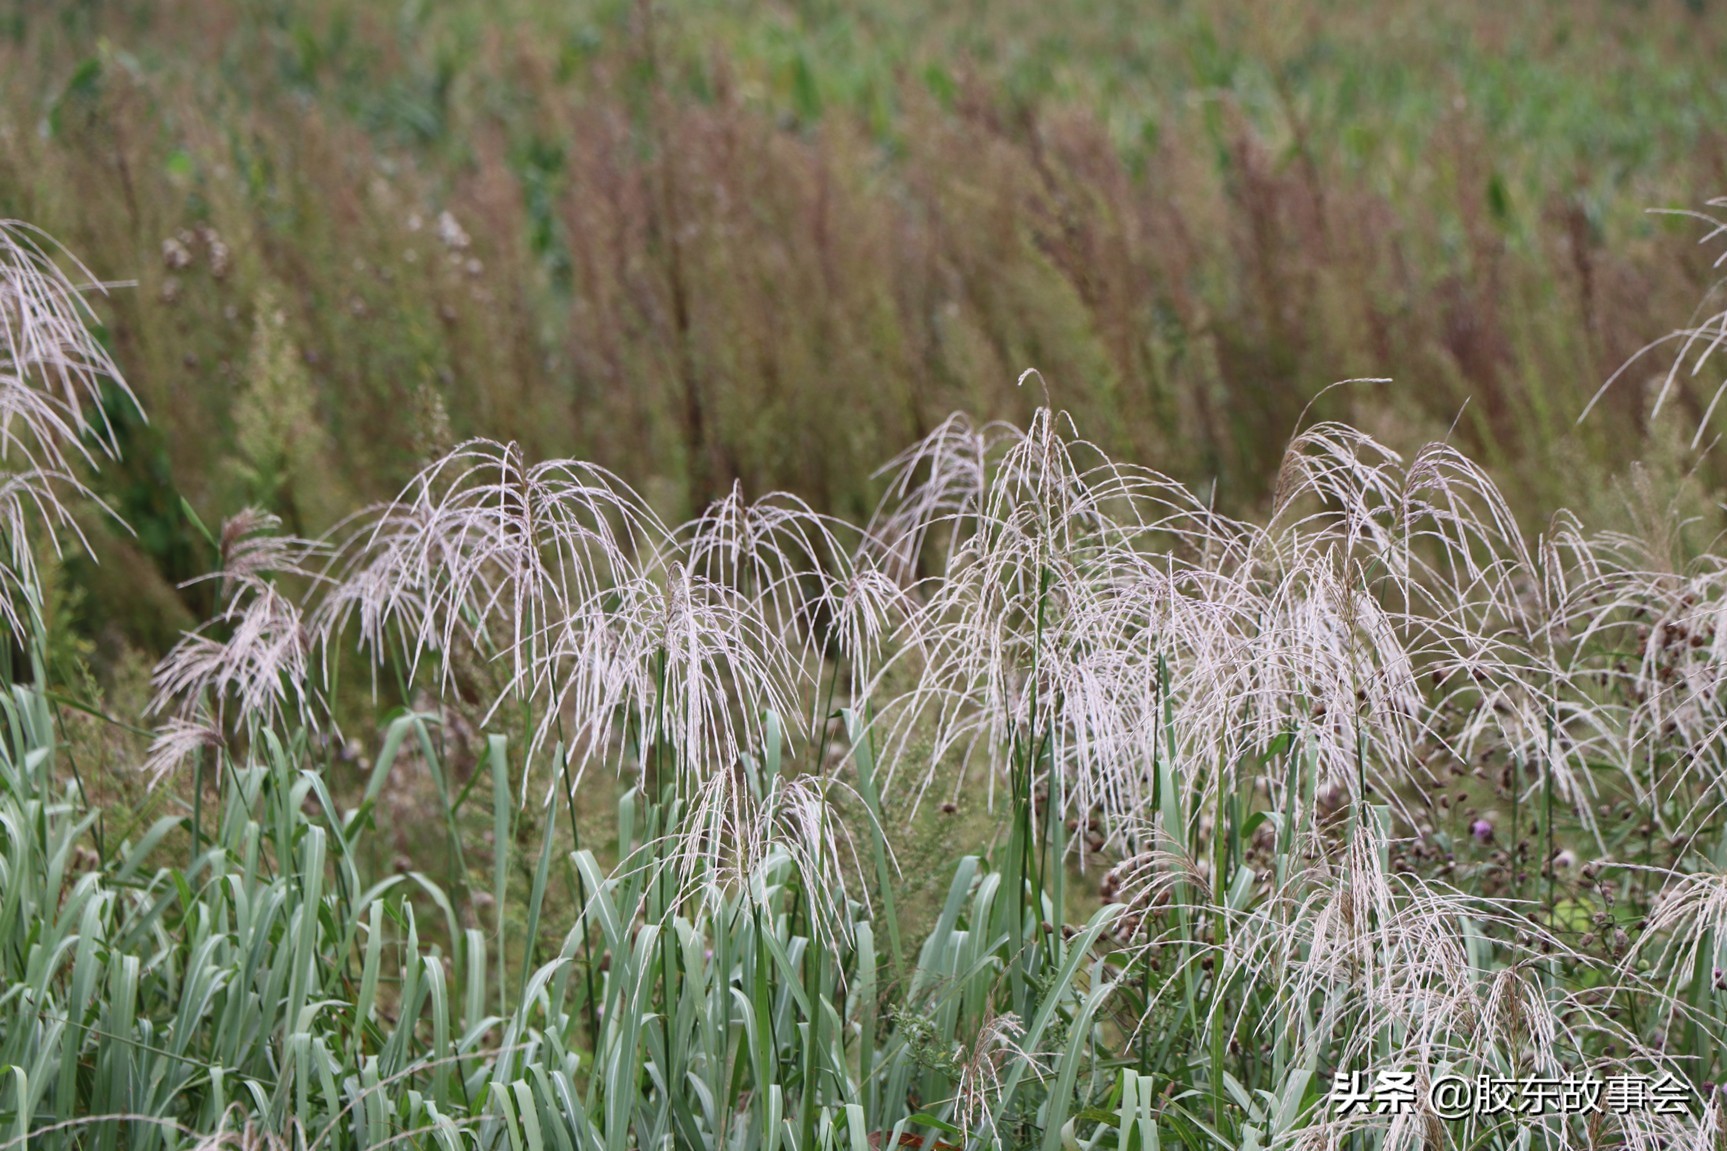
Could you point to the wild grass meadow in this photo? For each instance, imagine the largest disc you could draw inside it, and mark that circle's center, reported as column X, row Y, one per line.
column 782, row 577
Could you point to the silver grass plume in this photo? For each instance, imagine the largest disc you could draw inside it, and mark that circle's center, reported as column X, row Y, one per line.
column 253, row 661
column 979, row 1084
column 1028, row 634
column 485, row 549
column 1697, row 343
column 817, row 584
column 680, row 665
column 738, row 829
column 53, row 371
column 52, row 367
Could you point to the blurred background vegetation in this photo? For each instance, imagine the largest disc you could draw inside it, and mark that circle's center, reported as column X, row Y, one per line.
column 773, row 243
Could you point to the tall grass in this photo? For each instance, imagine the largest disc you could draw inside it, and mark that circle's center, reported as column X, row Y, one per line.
column 663, row 237
column 1380, row 783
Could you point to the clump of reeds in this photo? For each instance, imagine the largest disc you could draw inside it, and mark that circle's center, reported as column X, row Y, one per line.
column 1266, row 729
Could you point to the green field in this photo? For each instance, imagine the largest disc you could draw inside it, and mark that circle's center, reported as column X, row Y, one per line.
column 760, row 576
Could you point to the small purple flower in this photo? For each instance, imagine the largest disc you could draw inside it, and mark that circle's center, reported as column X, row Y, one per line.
column 1481, row 830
